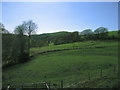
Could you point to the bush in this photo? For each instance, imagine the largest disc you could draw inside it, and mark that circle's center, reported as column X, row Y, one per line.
column 23, row 57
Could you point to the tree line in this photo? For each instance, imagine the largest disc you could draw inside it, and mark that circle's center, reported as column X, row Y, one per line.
column 16, row 46
column 63, row 37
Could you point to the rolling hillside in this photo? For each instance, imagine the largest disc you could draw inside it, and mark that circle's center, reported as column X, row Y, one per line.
column 82, row 64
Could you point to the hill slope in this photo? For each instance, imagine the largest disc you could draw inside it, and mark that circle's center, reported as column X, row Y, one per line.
column 85, row 64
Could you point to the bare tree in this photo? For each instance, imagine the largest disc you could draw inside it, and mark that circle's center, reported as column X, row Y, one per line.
column 30, row 28
column 2, row 28
column 19, row 30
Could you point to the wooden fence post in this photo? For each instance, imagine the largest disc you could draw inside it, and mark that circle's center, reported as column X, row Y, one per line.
column 22, row 85
column 101, row 72
column 89, row 76
column 84, row 84
column 61, row 83
column 36, row 85
column 49, row 85
column 114, row 69
column 8, row 86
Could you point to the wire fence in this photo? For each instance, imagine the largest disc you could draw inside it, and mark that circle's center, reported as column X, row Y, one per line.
column 89, row 78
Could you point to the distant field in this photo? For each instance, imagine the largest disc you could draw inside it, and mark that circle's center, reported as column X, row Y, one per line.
column 85, row 64
column 115, row 33
column 77, row 45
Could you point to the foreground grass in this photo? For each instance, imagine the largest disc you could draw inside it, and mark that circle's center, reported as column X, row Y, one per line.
column 79, row 67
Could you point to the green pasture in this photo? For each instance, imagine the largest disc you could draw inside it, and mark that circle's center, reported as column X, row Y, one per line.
column 80, row 66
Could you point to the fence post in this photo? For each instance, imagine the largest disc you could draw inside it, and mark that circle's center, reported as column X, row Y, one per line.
column 84, row 84
column 76, row 79
column 89, row 75
column 36, row 85
column 22, row 85
column 114, row 69
column 61, row 83
column 8, row 86
column 101, row 72
column 49, row 85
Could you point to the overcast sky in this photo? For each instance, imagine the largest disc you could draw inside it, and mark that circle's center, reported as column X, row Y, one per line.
column 61, row 16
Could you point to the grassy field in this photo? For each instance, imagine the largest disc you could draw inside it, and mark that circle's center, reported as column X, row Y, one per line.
column 115, row 33
column 81, row 64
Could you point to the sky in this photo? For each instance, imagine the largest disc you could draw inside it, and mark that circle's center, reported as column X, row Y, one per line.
column 61, row 16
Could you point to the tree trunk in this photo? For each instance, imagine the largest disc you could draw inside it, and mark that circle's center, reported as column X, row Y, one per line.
column 29, row 45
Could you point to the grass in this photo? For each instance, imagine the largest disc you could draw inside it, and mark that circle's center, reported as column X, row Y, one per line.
column 115, row 33
column 81, row 45
column 72, row 66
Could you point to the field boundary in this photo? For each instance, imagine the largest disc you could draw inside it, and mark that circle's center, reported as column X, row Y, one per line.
column 77, row 84
column 50, row 51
